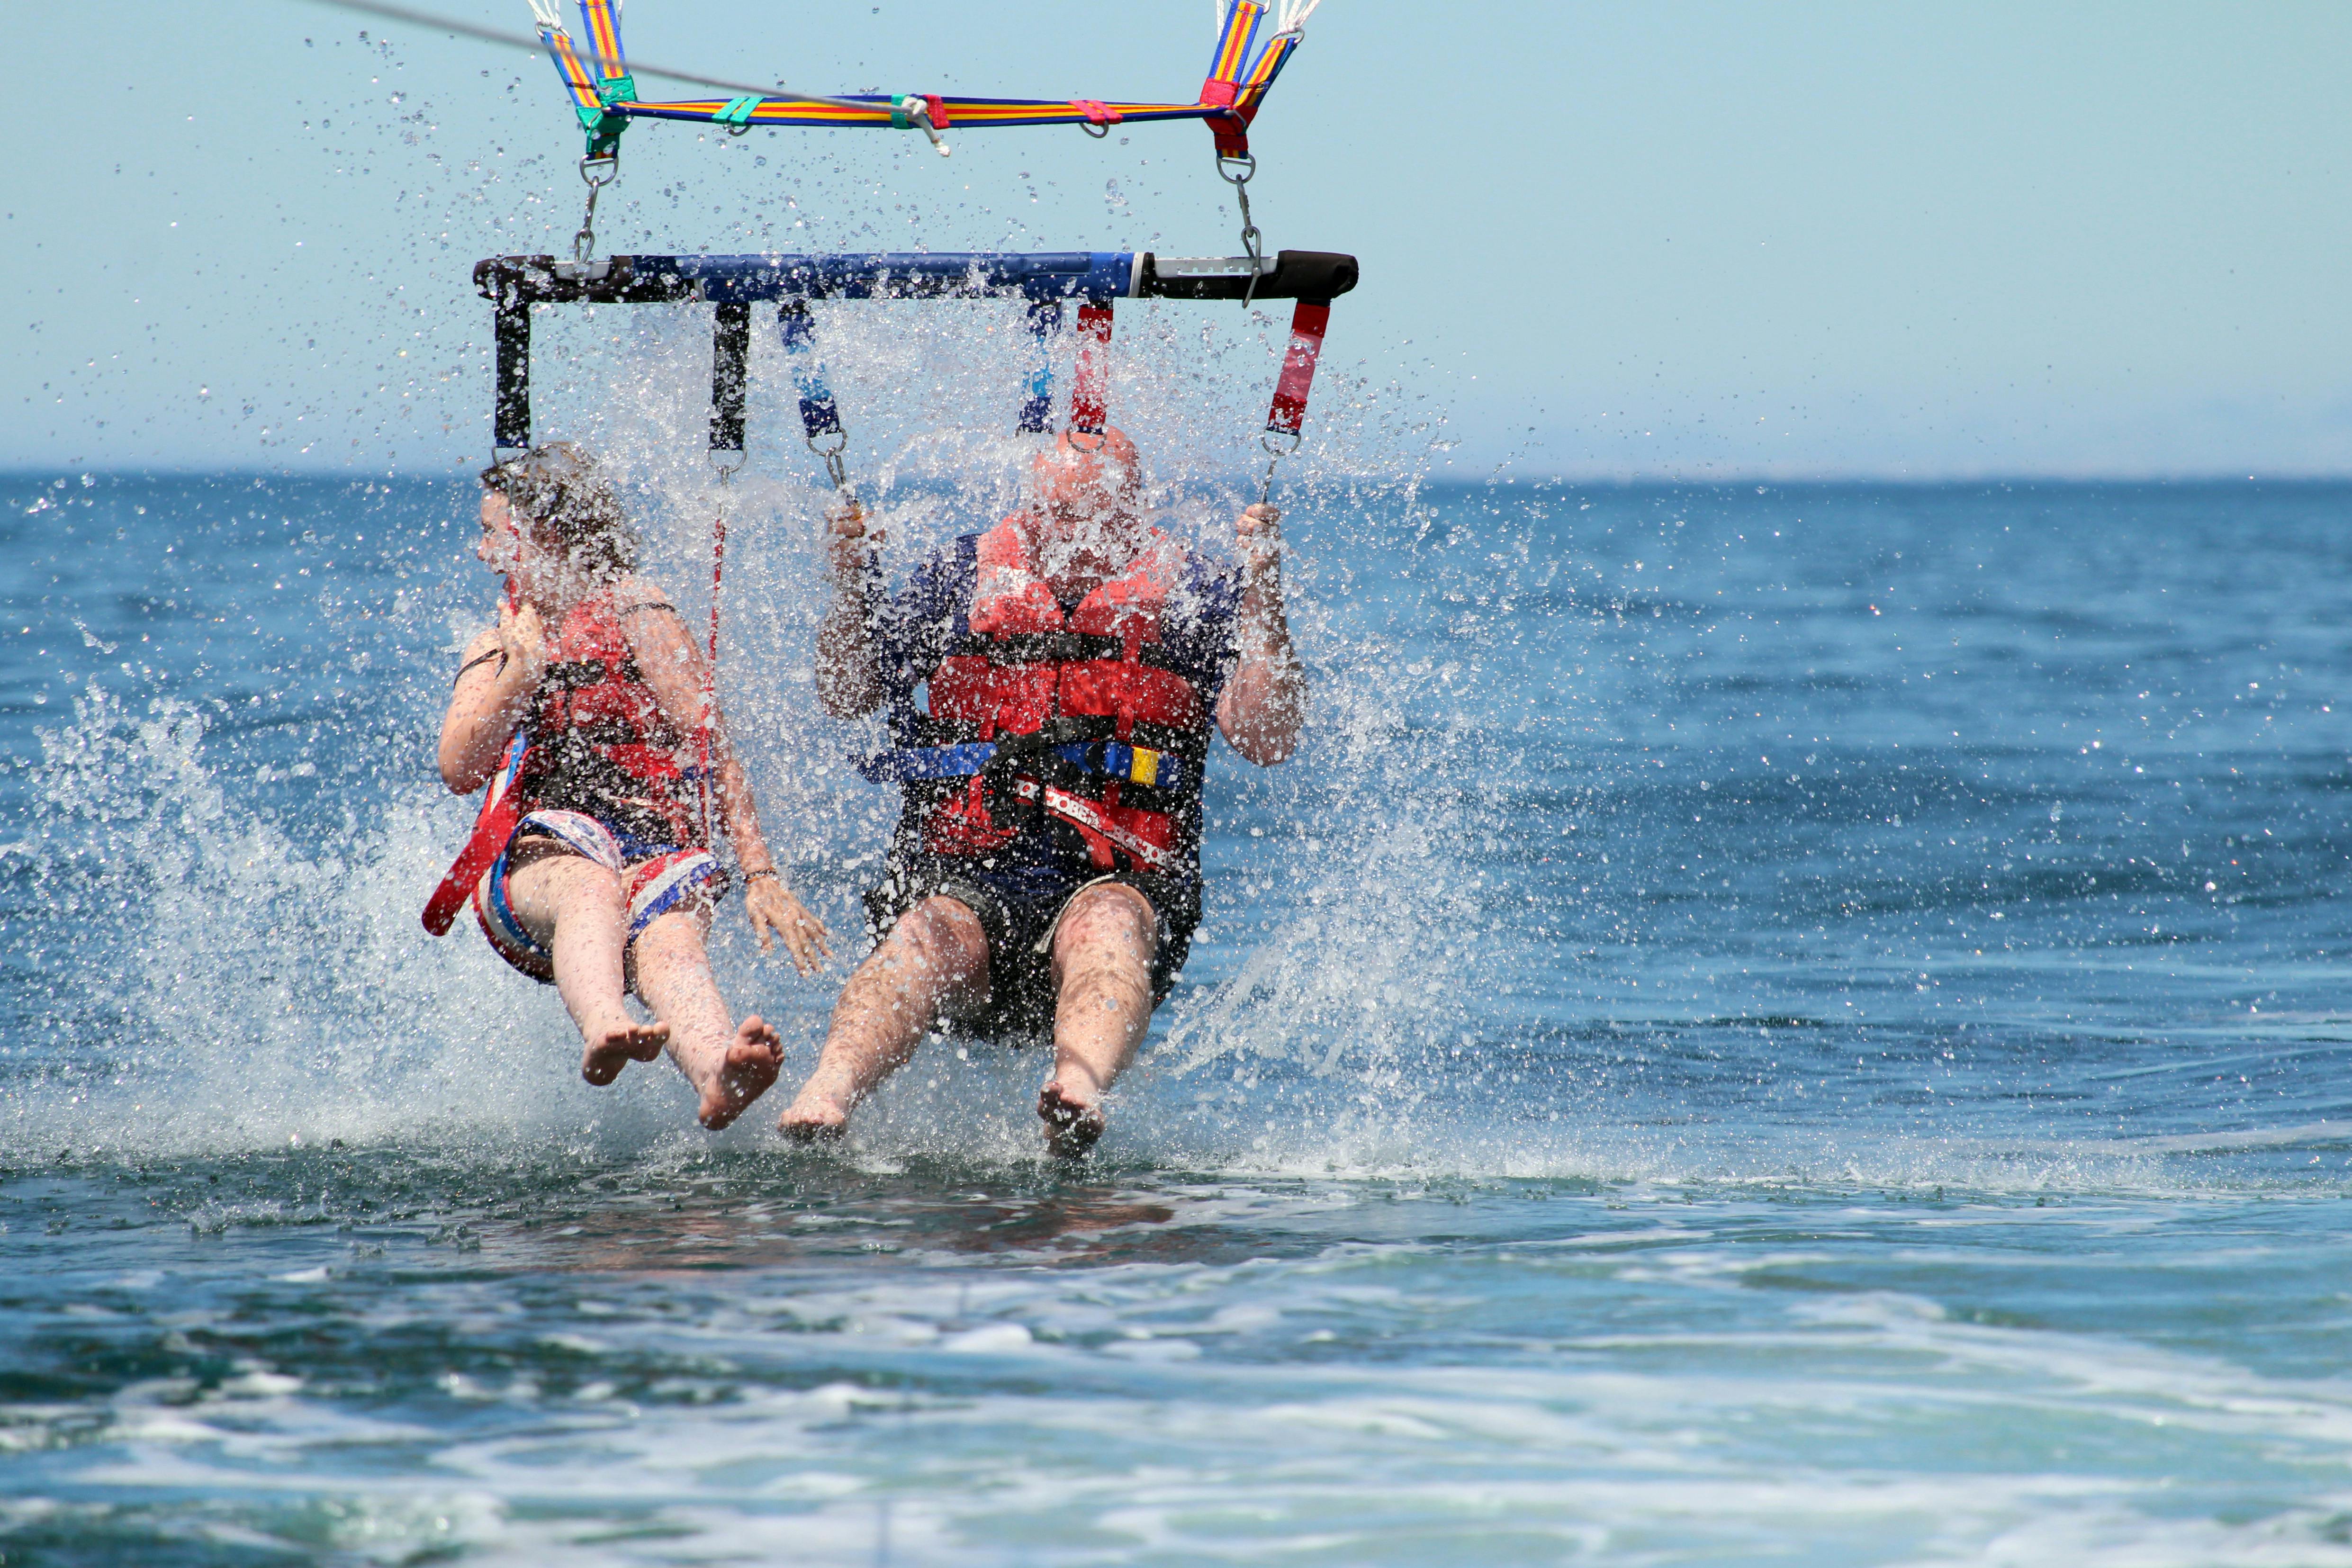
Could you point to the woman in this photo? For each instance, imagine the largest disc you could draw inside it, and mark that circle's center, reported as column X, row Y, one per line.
column 590, row 702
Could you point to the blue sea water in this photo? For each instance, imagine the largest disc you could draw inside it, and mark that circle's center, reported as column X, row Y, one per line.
column 1767, row 1025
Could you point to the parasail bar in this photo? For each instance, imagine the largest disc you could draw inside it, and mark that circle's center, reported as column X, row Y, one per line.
column 909, row 275
column 733, row 283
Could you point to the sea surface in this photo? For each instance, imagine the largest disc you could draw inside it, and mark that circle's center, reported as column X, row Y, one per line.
column 1767, row 1025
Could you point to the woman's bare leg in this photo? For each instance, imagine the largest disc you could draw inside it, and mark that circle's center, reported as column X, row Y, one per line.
column 934, row 961
column 728, row 1066
column 574, row 909
column 1102, row 972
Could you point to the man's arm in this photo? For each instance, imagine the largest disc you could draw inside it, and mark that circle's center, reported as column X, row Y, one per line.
column 1264, row 705
column 848, row 670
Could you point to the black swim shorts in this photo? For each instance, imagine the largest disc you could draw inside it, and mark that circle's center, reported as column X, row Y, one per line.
column 1021, row 994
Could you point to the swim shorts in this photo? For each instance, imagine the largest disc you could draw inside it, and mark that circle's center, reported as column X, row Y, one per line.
column 655, row 877
column 1020, row 926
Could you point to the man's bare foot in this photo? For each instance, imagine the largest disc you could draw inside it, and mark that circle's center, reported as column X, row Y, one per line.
column 752, row 1061
column 814, row 1118
column 1071, row 1126
column 612, row 1048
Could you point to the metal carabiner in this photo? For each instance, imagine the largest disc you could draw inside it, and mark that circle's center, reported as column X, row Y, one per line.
column 583, row 243
column 1273, row 455
column 834, row 468
column 1252, row 240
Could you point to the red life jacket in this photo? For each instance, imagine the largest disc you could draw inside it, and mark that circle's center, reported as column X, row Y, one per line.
column 1027, row 667
column 596, row 740
column 600, row 742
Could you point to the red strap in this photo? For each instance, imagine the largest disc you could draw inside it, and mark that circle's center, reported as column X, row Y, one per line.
column 492, row 828
column 711, row 704
column 1093, row 368
column 1123, row 827
column 1289, row 409
column 1220, row 93
column 1096, row 111
column 938, row 112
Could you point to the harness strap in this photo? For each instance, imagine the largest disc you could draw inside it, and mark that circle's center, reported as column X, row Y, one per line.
column 797, row 330
column 1111, row 759
column 731, row 347
column 1095, row 822
column 492, row 827
column 1037, row 399
column 1288, row 410
column 1087, row 388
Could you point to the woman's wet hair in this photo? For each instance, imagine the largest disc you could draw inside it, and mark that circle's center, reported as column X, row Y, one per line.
column 561, row 499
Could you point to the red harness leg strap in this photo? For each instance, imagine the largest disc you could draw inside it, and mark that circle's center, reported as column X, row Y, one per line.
column 1289, row 412
column 492, row 828
column 1096, row 820
column 1094, row 369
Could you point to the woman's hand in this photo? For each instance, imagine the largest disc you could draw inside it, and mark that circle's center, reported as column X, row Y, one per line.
column 522, row 633
column 775, row 912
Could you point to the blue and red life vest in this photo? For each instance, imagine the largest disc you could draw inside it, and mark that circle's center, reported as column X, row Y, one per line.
column 1039, row 709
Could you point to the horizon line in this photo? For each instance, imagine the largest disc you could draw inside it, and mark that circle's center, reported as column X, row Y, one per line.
column 1501, row 475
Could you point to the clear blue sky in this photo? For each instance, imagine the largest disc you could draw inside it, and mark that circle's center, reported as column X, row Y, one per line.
column 1650, row 240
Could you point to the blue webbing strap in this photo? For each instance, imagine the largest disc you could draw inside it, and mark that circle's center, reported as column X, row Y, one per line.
column 1133, row 765
column 818, row 415
column 1037, row 405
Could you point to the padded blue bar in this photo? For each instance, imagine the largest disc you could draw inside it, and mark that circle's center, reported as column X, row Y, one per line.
column 905, row 275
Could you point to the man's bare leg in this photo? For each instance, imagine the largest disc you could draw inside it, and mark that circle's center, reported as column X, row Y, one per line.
column 728, row 1066
column 1102, row 972
column 574, row 909
column 934, row 961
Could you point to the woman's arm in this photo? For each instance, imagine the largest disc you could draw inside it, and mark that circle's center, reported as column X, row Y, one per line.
column 1264, row 705
column 675, row 669
column 496, row 681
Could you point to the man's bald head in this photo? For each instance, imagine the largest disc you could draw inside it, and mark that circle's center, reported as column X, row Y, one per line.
column 1089, row 478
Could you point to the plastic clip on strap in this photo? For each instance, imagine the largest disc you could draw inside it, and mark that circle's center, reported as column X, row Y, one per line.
column 1037, row 395
column 923, row 111
column 736, row 115
column 820, row 418
column 1288, row 414
column 1100, row 116
column 1086, row 385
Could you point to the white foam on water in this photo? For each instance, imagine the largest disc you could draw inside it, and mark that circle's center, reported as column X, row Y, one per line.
column 1873, row 1426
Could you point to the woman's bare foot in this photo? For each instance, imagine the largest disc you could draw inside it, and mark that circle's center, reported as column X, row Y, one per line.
column 752, row 1061
column 1072, row 1126
column 616, row 1045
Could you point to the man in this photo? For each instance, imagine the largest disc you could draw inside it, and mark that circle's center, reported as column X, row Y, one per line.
column 1045, row 874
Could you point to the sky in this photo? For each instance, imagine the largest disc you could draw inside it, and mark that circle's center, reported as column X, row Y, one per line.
column 1661, row 241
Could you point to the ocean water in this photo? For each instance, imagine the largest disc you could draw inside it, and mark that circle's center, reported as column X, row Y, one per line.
column 1767, row 1025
